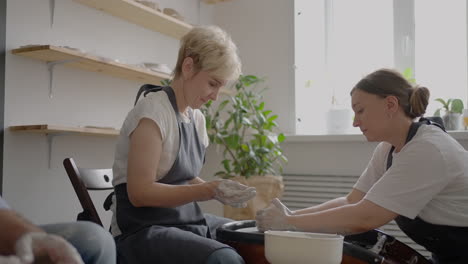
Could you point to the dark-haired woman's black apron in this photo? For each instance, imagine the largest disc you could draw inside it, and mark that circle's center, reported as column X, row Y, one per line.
column 168, row 235
column 448, row 244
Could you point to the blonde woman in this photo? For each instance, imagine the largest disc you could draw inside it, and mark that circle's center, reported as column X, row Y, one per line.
column 159, row 155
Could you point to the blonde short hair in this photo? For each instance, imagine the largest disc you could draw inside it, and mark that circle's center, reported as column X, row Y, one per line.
column 212, row 50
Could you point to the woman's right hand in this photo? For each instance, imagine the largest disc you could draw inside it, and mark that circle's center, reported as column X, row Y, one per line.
column 234, row 193
column 208, row 190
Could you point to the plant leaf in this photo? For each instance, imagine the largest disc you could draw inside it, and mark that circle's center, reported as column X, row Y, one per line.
column 231, row 141
column 226, row 164
column 246, row 121
column 442, row 101
column 245, row 147
column 457, row 106
column 281, row 137
column 272, row 118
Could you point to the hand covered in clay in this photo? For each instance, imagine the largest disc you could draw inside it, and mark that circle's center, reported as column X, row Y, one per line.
column 10, row 260
column 36, row 245
column 234, row 194
column 274, row 217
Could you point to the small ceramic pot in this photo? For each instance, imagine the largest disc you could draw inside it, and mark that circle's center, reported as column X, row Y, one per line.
column 452, row 121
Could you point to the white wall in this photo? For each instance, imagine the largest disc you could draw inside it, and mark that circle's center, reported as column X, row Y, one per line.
column 45, row 194
column 264, row 32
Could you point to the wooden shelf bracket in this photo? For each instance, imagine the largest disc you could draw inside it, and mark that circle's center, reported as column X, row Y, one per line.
column 50, row 138
column 50, row 68
column 52, row 12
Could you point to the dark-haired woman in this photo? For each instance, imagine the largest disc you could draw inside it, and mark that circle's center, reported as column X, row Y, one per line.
column 417, row 176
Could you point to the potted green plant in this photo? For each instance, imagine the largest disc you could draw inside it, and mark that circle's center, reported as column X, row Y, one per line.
column 453, row 109
column 249, row 141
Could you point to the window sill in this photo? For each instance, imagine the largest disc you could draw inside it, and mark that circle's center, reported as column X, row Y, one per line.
column 460, row 135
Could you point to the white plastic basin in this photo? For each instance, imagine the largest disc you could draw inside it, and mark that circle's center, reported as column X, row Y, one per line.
column 303, row 247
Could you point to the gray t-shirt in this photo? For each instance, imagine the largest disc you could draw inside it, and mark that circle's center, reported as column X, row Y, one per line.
column 3, row 204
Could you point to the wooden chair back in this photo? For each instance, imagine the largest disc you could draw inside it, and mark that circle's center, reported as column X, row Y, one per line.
column 83, row 180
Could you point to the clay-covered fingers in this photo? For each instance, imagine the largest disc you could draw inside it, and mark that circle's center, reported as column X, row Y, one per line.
column 273, row 217
column 233, row 193
column 280, row 205
column 56, row 248
column 10, row 260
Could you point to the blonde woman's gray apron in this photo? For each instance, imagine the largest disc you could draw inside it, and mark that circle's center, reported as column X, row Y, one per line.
column 448, row 244
column 168, row 235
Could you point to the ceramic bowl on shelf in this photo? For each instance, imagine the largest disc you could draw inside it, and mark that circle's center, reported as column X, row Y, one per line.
column 173, row 13
column 149, row 4
column 158, row 67
column 283, row 247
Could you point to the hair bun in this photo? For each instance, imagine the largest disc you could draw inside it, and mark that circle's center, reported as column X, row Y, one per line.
column 419, row 99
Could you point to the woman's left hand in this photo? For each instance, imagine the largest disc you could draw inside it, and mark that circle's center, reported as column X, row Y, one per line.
column 274, row 217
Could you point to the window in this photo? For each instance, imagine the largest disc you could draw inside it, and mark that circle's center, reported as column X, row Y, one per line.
column 440, row 49
column 337, row 42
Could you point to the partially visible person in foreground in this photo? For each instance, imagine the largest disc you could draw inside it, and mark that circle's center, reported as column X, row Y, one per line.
column 22, row 242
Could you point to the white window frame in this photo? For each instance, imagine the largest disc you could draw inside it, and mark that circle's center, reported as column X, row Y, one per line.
column 404, row 40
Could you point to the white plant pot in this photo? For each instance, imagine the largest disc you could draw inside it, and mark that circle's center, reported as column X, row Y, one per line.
column 339, row 121
column 452, row 121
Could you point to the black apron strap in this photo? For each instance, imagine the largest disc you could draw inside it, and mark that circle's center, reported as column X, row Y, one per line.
column 412, row 131
column 145, row 89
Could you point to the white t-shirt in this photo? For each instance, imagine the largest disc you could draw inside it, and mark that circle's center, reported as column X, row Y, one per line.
column 428, row 178
column 157, row 107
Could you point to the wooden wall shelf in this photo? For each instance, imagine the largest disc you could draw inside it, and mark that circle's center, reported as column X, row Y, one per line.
column 141, row 15
column 53, row 129
column 76, row 59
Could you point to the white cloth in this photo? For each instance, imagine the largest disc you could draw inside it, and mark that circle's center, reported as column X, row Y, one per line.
column 157, row 107
column 428, row 178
